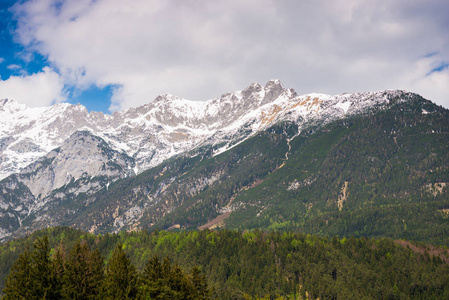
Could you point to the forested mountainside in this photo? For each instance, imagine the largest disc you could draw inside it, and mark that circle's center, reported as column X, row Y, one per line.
column 380, row 174
column 64, row 148
column 248, row 265
column 366, row 164
column 384, row 174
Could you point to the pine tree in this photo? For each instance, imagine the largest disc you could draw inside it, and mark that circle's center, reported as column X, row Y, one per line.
column 58, row 272
column 18, row 284
column 83, row 273
column 199, row 283
column 153, row 280
column 41, row 271
column 31, row 275
column 178, row 282
column 120, row 281
column 164, row 281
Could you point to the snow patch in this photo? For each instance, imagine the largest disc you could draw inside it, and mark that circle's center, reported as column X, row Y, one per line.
column 343, row 105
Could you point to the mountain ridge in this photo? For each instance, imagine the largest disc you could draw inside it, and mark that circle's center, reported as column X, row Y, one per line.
column 163, row 143
column 40, row 129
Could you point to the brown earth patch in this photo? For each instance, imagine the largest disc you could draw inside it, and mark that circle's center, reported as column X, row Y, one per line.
column 432, row 250
column 217, row 222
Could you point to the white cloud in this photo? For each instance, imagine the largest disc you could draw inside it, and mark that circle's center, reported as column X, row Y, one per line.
column 200, row 49
column 13, row 67
column 434, row 85
column 40, row 89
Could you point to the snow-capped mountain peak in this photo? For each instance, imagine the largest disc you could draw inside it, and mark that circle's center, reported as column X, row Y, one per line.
column 167, row 126
column 49, row 155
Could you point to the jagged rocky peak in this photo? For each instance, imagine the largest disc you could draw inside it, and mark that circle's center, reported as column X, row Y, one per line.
column 164, row 98
column 273, row 86
column 254, row 95
column 267, row 94
column 273, row 89
column 253, row 89
column 7, row 102
column 3, row 102
column 11, row 105
column 148, row 130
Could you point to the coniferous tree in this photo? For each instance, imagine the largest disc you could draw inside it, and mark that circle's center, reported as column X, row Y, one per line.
column 31, row 276
column 83, row 273
column 18, row 284
column 41, row 270
column 179, row 283
column 58, row 272
column 120, row 281
column 153, row 280
column 199, row 283
column 164, row 281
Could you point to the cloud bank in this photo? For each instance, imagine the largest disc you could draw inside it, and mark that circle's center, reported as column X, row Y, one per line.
column 201, row 49
column 41, row 89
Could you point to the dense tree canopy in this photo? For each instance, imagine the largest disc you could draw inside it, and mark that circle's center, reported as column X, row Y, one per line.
column 221, row 264
column 79, row 274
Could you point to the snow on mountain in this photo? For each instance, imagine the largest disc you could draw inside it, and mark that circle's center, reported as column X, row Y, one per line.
column 167, row 126
column 51, row 155
column 81, row 155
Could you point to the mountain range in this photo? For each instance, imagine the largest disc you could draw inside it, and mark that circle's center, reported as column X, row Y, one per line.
column 262, row 157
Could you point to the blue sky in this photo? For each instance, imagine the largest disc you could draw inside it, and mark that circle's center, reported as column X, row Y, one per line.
column 113, row 54
column 18, row 60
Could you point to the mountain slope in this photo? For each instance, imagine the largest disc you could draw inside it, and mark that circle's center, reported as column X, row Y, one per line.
column 380, row 174
column 261, row 157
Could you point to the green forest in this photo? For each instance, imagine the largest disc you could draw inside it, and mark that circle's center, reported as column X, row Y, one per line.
column 81, row 274
column 64, row 263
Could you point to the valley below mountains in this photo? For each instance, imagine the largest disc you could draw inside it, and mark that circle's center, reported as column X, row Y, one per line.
column 370, row 164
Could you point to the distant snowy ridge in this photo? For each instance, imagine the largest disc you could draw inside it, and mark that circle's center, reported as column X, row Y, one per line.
column 167, row 126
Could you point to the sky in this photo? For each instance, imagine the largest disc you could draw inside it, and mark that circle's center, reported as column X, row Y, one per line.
column 111, row 55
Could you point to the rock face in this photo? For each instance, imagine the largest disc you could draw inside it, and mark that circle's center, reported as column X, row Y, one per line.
column 57, row 153
column 81, row 155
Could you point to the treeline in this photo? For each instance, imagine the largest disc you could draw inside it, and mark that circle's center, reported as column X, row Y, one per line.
column 246, row 265
column 81, row 274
